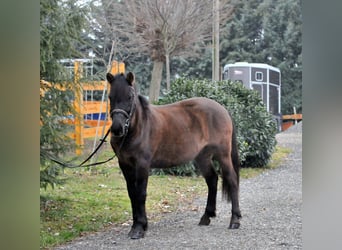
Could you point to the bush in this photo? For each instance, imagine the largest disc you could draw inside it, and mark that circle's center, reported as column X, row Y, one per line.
column 187, row 169
column 256, row 127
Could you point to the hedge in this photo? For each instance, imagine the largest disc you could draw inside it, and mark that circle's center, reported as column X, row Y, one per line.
column 256, row 128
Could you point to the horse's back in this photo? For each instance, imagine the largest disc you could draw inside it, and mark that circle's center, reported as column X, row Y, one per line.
column 204, row 111
column 184, row 128
column 196, row 104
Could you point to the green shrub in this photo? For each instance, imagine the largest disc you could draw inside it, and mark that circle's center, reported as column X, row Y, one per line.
column 187, row 169
column 256, row 127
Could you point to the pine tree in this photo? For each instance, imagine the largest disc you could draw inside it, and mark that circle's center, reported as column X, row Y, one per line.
column 241, row 40
column 61, row 24
column 268, row 31
column 283, row 37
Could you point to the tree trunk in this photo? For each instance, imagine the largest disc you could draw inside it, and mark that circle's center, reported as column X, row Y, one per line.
column 156, row 80
column 168, row 84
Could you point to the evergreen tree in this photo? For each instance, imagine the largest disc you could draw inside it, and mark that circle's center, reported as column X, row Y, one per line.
column 61, row 24
column 268, row 31
column 283, row 34
column 242, row 38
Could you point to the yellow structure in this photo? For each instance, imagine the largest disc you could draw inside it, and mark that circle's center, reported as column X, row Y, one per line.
column 88, row 128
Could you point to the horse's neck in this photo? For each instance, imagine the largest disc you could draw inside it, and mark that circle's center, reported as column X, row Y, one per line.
column 140, row 117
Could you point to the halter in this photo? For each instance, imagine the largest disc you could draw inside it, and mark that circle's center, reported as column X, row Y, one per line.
column 127, row 115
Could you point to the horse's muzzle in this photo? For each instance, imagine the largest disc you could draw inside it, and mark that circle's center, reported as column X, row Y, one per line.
column 120, row 122
column 117, row 130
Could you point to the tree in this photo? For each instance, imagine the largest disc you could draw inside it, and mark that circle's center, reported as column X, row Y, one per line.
column 283, row 37
column 242, row 38
column 266, row 31
column 61, row 24
column 162, row 29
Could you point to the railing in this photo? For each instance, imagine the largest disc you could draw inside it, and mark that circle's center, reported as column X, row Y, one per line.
column 290, row 120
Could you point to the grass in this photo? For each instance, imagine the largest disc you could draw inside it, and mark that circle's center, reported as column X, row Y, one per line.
column 91, row 200
column 278, row 156
column 85, row 203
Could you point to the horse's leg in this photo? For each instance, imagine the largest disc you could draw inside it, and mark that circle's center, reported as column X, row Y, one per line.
column 211, row 178
column 230, row 187
column 136, row 180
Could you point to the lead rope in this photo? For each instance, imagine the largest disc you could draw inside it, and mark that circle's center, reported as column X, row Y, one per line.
column 68, row 165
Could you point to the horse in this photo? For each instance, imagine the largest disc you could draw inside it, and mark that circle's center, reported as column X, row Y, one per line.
column 145, row 136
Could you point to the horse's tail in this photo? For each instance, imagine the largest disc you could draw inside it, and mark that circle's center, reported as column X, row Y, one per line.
column 236, row 165
column 235, row 155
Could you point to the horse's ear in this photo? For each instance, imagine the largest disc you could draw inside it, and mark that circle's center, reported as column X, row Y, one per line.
column 130, row 78
column 110, row 77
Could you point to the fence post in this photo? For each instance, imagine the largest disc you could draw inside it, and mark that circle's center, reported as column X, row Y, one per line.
column 78, row 104
column 117, row 67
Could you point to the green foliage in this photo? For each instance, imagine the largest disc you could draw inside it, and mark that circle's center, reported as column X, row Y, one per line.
column 61, row 24
column 268, row 32
column 256, row 128
column 187, row 169
column 49, row 176
column 55, row 105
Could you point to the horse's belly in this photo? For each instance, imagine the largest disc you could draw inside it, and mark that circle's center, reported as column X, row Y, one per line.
column 173, row 154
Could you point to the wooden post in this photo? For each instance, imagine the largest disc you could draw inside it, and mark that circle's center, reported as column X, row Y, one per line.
column 216, row 41
column 121, row 67
column 114, row 68
column 117, row 67
column 78, row 104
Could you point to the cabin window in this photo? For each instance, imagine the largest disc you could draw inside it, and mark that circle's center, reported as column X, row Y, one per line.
column 259, row 76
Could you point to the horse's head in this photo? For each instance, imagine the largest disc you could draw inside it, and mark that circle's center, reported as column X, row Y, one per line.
column 122, row 102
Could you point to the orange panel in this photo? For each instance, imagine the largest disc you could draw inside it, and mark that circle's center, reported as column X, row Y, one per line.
column 91, row 132
column 286, row 125
column 100, row 85
column 293, row 117
column 93, row 123
column 94, row 107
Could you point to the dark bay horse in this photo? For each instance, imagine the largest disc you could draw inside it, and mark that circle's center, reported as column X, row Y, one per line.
column 145, row 136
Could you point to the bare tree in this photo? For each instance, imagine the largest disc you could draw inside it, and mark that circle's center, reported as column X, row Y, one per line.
column 162, row 29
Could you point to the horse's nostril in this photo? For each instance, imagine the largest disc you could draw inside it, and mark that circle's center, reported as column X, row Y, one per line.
column 117, row 131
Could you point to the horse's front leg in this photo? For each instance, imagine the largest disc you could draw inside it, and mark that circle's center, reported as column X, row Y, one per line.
column 136, row 179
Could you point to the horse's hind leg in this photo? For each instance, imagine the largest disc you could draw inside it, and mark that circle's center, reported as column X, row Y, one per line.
column 211, row 178
column 230, row 188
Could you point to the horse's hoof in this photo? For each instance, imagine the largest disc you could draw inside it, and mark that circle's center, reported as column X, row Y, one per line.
column 136, row 233
column 205, row 221
column 234, row 226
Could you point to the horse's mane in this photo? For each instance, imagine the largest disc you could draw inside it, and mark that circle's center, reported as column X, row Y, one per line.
column 144, row 104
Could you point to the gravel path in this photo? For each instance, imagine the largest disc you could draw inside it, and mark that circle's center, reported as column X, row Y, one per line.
column 271, row 206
